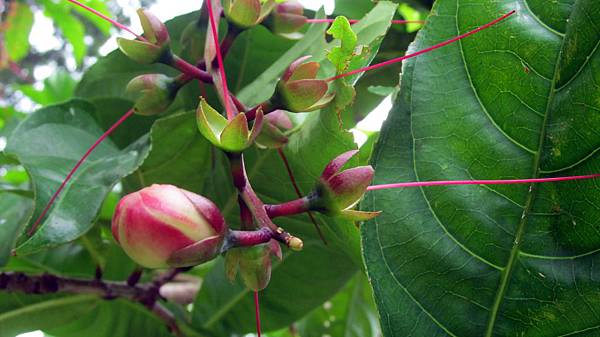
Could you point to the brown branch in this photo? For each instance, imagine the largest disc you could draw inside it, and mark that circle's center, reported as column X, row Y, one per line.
column 146, row 294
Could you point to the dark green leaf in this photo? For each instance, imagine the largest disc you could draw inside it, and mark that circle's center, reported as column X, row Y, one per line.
column 350, row 313
column 48, row 144
column 180, row 155
column 19, row 314
column 15, row 210
column 518, row 100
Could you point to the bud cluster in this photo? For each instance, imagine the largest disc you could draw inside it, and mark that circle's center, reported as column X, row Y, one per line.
column 164, row 226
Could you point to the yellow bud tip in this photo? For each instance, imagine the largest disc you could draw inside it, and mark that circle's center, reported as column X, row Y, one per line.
column 295, row 244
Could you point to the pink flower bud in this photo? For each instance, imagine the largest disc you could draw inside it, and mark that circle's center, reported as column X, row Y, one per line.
column 338, row 191
column 299, row 90
column 164, row 226
column 275, row 131
column 287, row 19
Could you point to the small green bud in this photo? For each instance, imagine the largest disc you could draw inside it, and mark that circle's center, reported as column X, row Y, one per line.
column 156, row 48
column 247, row 13
column 153, row 93
column 300, row 91
column 253, row 263
column 231, row 136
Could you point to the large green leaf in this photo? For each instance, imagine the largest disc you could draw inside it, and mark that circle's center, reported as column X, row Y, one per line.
column 15, row 210
column 48, row 144
column 183, row 160
column 350, row 313
column 75, row 315
column 518, row 100
column 19, row 314
column 292, row 292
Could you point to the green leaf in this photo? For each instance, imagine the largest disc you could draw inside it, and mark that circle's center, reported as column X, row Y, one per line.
column 350, row 313
column 71, row 129
column 342, row 55
column 183, row 160
column 119, row 318
column 102, row 7
column 71, row 28
column 18, row 27
column 59, row 87
column 15, row 210
column 19, row 314
column 518, row 100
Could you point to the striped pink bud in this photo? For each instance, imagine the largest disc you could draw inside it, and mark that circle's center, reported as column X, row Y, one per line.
column 164, row 226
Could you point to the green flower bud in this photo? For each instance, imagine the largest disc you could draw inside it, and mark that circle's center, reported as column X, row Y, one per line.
column 300, row 91
column 247, row 13
column 253, row 263
column 156, row 48
column 231, row 136
column 338, row 191
column 153, row 93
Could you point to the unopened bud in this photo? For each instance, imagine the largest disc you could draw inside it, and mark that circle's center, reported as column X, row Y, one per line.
column 338, row 191
column 287, row 19
column 253, row 263
column 156, row 48
column 229, row 135
column 247, row 13
column 164, row 226
column 153, row 93
column 275, row 131
column 300, row 90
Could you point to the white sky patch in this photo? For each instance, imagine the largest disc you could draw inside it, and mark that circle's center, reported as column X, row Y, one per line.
column 372, row 122
column 32, row 334
column 316, row 4
column 42, row 36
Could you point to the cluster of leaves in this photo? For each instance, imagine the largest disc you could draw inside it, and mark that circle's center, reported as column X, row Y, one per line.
column 519, row 100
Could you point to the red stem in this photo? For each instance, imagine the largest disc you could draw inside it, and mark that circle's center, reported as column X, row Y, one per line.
column 286, row 163
column 191, row 70
column 289, row 208
column 394, row 22
column 213, row 27
column 115, row 23
column 480, row 182
column 251, row 238
column 76, row 167
column 257, row 313
column 426, row 50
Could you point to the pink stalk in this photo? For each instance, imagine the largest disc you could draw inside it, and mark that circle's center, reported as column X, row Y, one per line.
column 288, row 168
column 426, row 50
column 76, row 167
column 480, row 182
column 394, row 22
column 213, row 27
column 100, row 15
column 256, row 311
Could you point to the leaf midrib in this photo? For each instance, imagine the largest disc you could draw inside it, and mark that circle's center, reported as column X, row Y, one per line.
column 516, row 248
